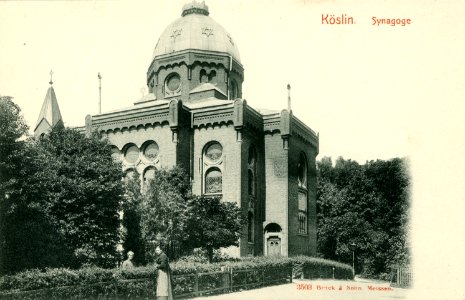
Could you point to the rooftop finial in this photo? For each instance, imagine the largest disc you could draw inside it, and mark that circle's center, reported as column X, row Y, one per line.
column 51, row 75
column 195, row 8
column 99, row 93
column 288, row 97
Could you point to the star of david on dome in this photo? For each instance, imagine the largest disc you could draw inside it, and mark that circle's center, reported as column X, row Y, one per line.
column 230, row 40
column 207, row 31
column 176, row 33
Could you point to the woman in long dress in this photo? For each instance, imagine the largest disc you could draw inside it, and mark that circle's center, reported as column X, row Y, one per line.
column 164, row 289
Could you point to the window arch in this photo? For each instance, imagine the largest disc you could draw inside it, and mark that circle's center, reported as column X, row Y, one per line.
column 131, row 153
column 129, row 174
column 251, row 179
column 115, row 154
column 213, row 181
column 149, row 174
column 213, row 152
column 150, row 150
column 302, row 171
column 212, row 166
column 251, row 171
column 212, row 76
column 234, row 90
column 302, row 195
column 203, row 76
column 250, row 227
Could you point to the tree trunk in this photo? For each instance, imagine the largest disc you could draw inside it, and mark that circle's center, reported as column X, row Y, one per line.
column 210, row 254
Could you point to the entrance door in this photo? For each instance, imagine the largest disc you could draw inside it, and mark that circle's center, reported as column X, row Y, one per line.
column 274, row 246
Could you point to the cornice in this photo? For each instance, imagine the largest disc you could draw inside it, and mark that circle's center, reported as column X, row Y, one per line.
column 191, row 56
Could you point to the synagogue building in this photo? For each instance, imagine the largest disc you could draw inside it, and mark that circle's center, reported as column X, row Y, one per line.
column 194, row 116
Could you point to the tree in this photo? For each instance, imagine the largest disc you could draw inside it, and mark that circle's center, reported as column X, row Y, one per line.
column 28, row 239
column 163, row 210
column 366, row 205
column 12, row 128
column 131, row 206
column 211, row 224
column 83, row 187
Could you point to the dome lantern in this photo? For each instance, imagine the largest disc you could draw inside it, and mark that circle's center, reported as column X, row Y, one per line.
column 195, row 8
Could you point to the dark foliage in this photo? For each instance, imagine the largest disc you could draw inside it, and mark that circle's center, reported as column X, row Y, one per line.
column 211, row 224
column 59, row 198
column 365, row 205
column 132, row 231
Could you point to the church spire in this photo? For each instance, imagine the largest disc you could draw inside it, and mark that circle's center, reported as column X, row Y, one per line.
column 49, row 115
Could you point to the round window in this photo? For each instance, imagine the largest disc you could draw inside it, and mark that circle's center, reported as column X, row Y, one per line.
column 214, row 152
column 151, row 151
column 173, row 82
column 115, row 154
column 132, row 154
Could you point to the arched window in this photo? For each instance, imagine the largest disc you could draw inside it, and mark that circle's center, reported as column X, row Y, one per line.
column 251, row 178
column 302, row 196
column 212, row 168
column 151, row 151
column 131, row 155
column 203, row 76
column 302, row 171
column 250, row 227
column 149, row 174
column 234, row 91
column 213, row 181
column 214, row 152
column 129, row 175
column 212, row 77
column 115, row 154
column 251, row 172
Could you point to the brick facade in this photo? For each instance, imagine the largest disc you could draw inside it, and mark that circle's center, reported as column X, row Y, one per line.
column 261, row 159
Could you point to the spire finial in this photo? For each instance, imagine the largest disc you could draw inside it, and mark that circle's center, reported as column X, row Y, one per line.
column 51, row 77
column 288, row 97
column 99, row 93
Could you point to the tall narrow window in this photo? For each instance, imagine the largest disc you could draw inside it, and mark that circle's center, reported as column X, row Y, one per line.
column 302, row 171
column 213, row 181
column 302, row 214
column 234, row 92
column 302, row 198
column 250, row 227
column 251, row 172
column 213, row 168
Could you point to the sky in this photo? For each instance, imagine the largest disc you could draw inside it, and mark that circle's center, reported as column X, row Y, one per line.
column 356, row 85
column 371, row 92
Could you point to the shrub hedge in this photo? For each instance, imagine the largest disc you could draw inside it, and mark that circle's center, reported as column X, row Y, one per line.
column 140, row 282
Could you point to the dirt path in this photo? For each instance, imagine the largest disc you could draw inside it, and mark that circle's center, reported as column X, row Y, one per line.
column 320, row 290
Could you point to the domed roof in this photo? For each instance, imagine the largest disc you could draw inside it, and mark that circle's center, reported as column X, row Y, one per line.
column 195, row 30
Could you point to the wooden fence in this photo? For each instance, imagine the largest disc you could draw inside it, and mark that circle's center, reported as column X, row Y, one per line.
column 401, row 277
column 228, row 280
column 184, row 285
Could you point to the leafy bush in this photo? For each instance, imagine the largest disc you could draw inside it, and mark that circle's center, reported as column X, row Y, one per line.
column 322, row 268
column 140, row 282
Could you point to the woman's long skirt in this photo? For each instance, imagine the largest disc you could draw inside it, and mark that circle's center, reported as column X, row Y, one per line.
column 164, row 285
